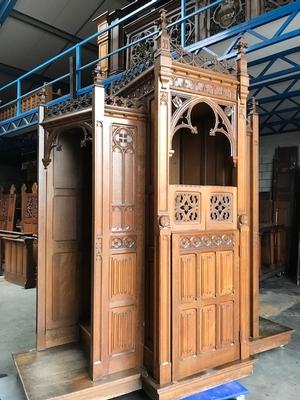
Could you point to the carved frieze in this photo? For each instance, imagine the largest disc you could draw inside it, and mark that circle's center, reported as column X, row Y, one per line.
column 79, row 103
column 126, row 242
column 125, row 102
column 207, row 241
column 201, row 86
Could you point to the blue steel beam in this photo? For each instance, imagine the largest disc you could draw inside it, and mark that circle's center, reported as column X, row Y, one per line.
column 290, row 11
column 271, row 57
column 278, row 97
column 5, row 8
column 279, row 74
column 279, row 79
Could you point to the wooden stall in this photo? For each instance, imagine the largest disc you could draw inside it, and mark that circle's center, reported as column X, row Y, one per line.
column 20, row 263
column 148, row 233
column 7, row 209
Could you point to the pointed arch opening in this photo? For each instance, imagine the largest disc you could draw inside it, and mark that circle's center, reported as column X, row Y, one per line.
column 201, row 154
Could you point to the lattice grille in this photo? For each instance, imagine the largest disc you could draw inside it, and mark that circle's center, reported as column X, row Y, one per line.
column 221, row 207
column 187, row 207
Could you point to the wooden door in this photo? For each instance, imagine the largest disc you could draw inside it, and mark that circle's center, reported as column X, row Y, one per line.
column 118, row 245
column 205, row 276
column 64, row 241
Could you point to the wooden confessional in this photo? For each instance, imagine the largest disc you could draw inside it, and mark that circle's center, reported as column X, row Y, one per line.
column 148, row 234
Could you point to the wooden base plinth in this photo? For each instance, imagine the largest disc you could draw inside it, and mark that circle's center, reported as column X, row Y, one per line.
column 271, row 335
column 197, row 383
column 61, row 373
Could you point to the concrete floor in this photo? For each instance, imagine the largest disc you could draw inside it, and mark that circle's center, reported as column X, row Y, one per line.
column 276, row 373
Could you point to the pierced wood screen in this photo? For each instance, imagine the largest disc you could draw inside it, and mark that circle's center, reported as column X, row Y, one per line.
column 29, row 222
column 203, row 207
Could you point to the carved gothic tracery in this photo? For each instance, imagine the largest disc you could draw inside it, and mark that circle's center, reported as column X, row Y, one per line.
column 272, row 4
column 31, row 209
column 204, row 60
column 187, row 207
column 182, row 118
column 227, row 14
column 81, row 102
column 123, row 138
column 221, row 207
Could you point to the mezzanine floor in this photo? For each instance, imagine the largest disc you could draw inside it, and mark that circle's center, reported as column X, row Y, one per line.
column 276, row 373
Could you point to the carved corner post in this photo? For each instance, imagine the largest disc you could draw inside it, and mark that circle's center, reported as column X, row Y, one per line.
column 254, row 240
column 99, row 319
column 162, row 275
column 42, row 232
column 242, row 201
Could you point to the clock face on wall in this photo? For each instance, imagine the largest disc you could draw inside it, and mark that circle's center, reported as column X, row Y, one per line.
column 226, row 13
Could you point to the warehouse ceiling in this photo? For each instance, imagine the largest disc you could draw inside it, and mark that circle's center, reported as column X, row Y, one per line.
column 32, row 31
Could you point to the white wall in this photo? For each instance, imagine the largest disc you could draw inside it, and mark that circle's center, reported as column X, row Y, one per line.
column 268, row 144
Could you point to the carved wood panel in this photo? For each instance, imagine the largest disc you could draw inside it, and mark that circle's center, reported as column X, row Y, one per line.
column 205, row 305
column 196, row 207
column 126, row 245
column 29, row 212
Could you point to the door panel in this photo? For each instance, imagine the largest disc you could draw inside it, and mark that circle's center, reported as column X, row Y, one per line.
column 118, row 256
column 64, row 245
column 205, row 303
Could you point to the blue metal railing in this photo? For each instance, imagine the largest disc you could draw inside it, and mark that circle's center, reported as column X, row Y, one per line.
column 76, row 51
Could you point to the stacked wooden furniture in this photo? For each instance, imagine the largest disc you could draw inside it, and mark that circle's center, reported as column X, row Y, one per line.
column 7, row 208
column 27, row 103
column 148, row 234
column 20, row 248
column 7, row 217
column 278, row 227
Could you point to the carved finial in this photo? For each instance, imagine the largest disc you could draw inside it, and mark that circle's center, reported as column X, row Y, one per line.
column 99, row 75
column 12, row 189
column 242, row 45
column 42, row 95
column 34, row 188
column 252, row 106
column 163, row 40
column 163, row 20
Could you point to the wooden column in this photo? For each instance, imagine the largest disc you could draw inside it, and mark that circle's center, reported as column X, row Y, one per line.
column 42, row 235
column 99, row 319
column 162, row 341
column 243, row 189
column 254, row 242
